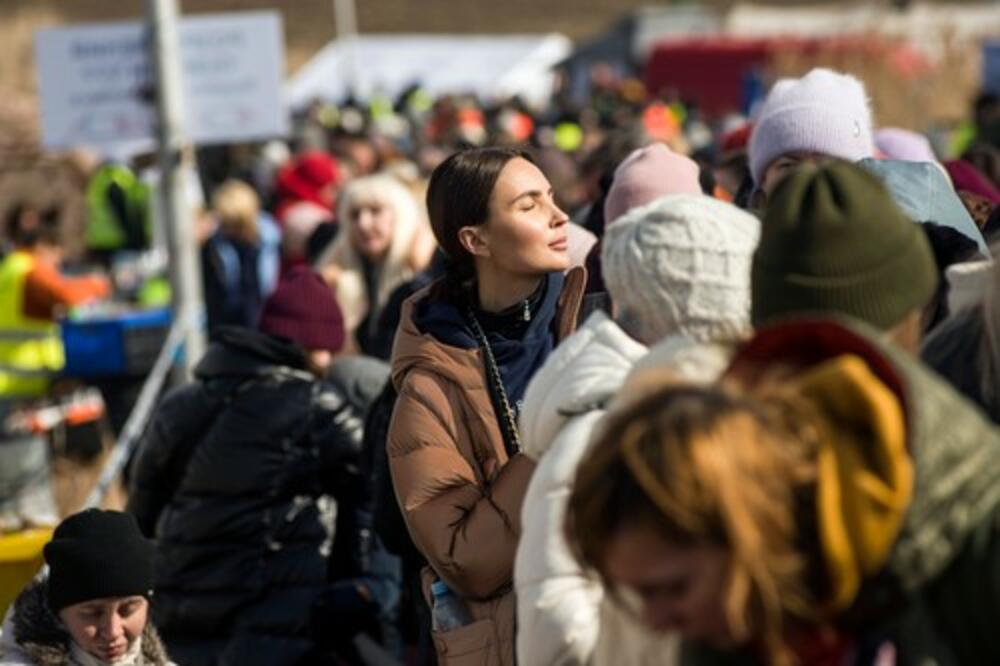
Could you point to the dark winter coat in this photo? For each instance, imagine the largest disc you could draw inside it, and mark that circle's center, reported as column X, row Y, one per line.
column 377, row 340
column 38, row 637
column 233, row 293
column 957, row 349
column 239, row 479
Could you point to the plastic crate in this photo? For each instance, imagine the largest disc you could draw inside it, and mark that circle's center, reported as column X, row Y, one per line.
column 122, row 344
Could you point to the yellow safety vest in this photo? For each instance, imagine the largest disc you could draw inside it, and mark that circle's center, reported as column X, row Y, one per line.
column 31, row 350
column 105, row 230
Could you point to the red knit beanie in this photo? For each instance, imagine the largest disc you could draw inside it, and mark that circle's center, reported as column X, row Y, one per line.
column 304, row 178
column 304, row 309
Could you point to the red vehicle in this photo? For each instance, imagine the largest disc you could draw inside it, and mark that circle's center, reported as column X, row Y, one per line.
column 719, row 73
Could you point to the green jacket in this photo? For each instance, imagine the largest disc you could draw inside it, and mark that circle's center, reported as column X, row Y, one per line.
column 938, row 597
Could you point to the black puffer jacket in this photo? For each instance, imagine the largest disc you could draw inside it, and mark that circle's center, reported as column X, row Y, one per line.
column 239, row 479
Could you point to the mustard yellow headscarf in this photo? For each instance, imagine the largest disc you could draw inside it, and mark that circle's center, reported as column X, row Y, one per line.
column 864, row 471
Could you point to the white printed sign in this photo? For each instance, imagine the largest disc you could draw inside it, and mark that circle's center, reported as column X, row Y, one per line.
column 96, row 81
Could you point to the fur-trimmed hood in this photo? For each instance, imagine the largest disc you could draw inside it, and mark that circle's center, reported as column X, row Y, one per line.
column 33, row 634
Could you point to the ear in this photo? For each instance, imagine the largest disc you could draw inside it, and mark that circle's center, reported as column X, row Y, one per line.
column 474, row 241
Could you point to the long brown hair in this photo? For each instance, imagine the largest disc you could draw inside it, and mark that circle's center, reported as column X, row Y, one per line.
column 708, row 466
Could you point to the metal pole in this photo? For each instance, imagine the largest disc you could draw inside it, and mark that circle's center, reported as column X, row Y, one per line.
column 139, row 417
column 185, row 271
column 346, row 16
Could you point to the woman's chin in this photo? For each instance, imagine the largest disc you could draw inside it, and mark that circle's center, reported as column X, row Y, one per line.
column 543, row 265
column 562, row 264
column 113, row 654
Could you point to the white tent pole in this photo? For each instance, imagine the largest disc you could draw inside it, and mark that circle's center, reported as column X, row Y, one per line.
column 185, row 269
column 346, row 16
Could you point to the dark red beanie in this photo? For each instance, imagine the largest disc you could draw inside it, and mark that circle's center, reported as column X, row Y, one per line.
column 966, row 177
column 303, row 309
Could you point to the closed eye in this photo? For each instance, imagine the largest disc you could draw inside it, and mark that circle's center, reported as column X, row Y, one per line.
column 527, row 200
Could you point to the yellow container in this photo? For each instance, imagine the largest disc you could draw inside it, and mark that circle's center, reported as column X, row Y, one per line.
column 20, row 560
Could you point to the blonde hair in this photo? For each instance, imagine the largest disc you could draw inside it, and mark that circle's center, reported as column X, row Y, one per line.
column 237, row 206
column 409, row 251
column 706, row 466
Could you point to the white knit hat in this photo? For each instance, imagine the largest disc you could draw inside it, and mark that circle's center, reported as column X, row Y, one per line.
column 681, row 265
column 823, row 112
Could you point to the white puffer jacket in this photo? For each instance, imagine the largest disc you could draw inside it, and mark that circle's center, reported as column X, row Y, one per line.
column 563, row 618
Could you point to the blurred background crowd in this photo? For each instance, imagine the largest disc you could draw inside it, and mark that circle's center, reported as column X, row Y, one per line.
column 298, row 432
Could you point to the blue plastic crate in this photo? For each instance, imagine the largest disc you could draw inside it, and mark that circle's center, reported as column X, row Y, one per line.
column 122, row 344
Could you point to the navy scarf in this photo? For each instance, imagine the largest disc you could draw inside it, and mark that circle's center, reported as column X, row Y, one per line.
column 518, row 358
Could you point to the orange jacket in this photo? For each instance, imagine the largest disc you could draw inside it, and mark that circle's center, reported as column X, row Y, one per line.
column 46, row 290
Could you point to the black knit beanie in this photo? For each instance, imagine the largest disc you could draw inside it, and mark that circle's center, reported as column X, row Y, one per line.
column 833, row 240
column 96, row 554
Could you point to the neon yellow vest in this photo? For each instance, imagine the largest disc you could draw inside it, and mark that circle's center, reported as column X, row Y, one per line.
column 31, row 350
column 104, row 230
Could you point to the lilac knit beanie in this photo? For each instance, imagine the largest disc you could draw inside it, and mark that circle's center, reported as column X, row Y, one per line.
column 823, row 112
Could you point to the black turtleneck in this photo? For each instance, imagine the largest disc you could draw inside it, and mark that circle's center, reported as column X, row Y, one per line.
column 512, row 322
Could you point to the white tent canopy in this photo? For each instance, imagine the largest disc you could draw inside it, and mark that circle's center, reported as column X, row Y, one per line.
column 928, row 26
column 490, row 65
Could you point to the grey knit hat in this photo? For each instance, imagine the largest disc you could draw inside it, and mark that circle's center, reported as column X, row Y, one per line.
column 681, row 265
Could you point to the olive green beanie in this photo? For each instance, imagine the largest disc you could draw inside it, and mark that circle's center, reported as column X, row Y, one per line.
column 833, row 240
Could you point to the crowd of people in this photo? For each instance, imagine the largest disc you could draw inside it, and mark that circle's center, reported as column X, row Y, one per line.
column 598, row 385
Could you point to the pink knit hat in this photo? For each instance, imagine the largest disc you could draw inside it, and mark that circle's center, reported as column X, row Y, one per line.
column 646, row 175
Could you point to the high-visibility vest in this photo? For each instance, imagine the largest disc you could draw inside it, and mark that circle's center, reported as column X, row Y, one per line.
column 105, row 230
column 31, row 350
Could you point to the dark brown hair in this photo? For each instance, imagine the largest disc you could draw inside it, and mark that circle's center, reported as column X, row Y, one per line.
column 28, row 225
column 459, row 196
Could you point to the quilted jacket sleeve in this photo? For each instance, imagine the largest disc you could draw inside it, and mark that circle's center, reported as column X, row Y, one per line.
column 162, row 454
column 558, row 603
column 465, row 525
column 337, row 430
